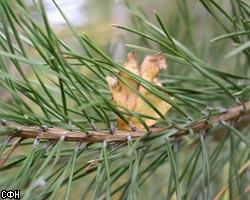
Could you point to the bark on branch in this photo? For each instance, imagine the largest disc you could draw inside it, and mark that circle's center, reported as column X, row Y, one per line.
column 239, row 114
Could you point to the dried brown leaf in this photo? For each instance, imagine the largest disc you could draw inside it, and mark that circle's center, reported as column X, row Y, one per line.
column 124, row 97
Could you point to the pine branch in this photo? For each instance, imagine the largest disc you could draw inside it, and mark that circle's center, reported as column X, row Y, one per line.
column 239, row 114
column 221, row 193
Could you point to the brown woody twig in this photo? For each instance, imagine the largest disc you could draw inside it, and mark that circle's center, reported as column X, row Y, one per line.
column 239, row 114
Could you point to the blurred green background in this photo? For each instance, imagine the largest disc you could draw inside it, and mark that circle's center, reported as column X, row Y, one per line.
column 93, row 17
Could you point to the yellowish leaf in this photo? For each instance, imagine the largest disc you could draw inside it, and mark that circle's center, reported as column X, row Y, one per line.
column 124, row 97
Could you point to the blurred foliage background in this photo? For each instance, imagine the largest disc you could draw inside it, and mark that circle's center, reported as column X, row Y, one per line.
column 189, row 22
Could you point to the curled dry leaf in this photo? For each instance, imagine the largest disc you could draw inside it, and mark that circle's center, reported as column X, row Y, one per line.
column 124, row 97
